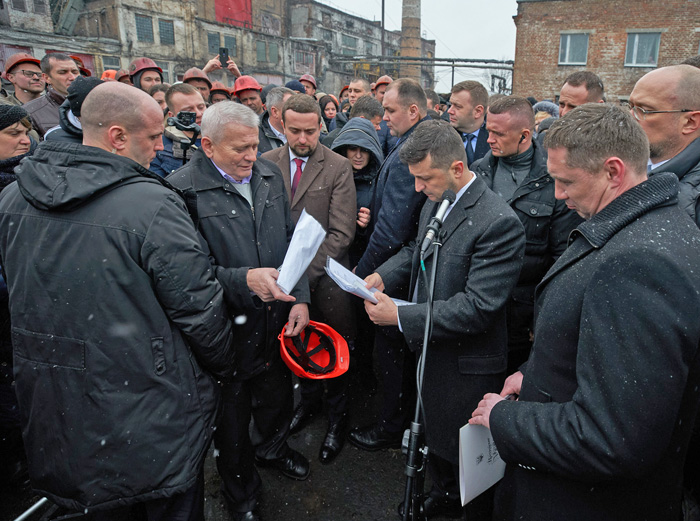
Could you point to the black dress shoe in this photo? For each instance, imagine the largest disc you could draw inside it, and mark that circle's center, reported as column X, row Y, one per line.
column 334, row 441
column 374, row 437
column 294, row 465
column 245, row 516
column 303, row 413
column 439, row 507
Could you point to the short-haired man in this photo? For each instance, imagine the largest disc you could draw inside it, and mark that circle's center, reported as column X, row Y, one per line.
column 24, row 72
column 119, row 326
column 247, row 90
column 579, row 88
column 516, row 169
column 59, row 71
column 666, row 102
column 393, row 224
column 271, row 133
column 365, row 107
column 321, row 182
column 433, row 101
column 467, row 112
column 177, row 144
column 478, row 266
column 244, row 218
column 608, row 397
column 357, row 88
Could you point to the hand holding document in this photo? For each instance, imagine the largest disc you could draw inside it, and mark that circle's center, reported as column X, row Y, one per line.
column 348, row 281
column 480, row 465
column 307, row 239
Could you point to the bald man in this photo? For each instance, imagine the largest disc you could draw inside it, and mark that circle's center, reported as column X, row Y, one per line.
column 666, row 103
column 120, row 329
column 516, row 169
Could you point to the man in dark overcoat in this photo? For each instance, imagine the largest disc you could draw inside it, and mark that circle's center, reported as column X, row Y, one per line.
column 482, row 251
column 610, row 392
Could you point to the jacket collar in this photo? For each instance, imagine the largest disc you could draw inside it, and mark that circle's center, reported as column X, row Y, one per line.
column 205, row 176
column 683, row 162
column 53, row 95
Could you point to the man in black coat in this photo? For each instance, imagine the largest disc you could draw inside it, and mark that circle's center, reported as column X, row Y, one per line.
column 610, row 392
column 244, row 218
column 271, row 131
column 393, row 224
column 467, row 114
column 516, row 169
column 478, row 265
column 119, row 327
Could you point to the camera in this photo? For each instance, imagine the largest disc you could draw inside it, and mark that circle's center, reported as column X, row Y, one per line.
column 186, row 118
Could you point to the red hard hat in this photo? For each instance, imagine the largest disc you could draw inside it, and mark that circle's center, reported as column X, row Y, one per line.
column 141, row 64
column 318, row 352
column 196, row 74
column 343, row 90
column 383, row 80
column 217, row 86
column 120, row 74
column 109, row 75
column 81, row 66
column 20, row 57
column 245, row 83
column 309, row 78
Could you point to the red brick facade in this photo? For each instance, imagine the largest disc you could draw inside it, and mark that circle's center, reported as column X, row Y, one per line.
column 540, row 24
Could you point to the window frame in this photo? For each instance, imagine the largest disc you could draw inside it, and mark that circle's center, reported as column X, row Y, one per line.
column 636, row 35
column 213, row 50
column 140, row 37
column 567, row 37
column 170, row 24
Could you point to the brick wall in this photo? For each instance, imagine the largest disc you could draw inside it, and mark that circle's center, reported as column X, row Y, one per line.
column 541, row 22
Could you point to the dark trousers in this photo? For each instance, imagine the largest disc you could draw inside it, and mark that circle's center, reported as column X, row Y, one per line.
column 445, row 477
column 330, row 305
column 268, row 399
column 188, row 506
column 397, row 367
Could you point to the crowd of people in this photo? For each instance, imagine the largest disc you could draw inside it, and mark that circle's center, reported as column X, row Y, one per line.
column 142, row 226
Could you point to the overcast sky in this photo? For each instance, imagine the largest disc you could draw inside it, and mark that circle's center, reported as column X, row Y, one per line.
column 460, row 28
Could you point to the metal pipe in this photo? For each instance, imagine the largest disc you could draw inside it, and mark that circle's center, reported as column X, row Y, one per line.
column 32, row 509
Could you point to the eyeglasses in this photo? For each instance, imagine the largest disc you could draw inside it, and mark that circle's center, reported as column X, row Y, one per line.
column 640, row 114
column 30, row 74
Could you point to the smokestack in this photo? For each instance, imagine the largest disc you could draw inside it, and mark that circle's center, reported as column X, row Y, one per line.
column 410, row 38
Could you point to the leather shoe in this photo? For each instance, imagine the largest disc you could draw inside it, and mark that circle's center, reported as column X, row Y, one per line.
column 334, row 441
column 294, row 465
column 245, row 516
column 439, row 507
column 303, row 414
column 375, row 437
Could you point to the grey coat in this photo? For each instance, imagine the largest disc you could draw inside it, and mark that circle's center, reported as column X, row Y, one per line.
column 478, row 267
column 117, row 321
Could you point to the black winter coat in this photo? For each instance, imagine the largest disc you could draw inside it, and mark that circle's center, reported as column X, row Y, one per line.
column 547, row 223
column 66, row 131
column 115, row 315
column 268, row 139
column 240, row 239
column 612, row 385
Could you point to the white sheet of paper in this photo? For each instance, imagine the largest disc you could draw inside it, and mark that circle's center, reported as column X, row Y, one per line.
column 307, row 239
column 480, row 465
column 348, row 281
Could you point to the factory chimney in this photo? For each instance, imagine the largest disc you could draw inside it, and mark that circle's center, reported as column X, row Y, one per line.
column 410, row 38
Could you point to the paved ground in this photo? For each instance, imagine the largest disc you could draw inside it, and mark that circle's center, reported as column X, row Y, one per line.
column 359, row 485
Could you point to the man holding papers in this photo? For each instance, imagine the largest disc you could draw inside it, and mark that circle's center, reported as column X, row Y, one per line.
column 244, row 218
column 478, row 266
column 609, row 394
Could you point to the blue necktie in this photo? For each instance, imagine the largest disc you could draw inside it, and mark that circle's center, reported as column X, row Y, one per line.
column 467, row 138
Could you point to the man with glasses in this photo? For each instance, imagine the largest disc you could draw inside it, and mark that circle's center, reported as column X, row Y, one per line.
column 23, row 71
column 59, row 70
column 666, row 103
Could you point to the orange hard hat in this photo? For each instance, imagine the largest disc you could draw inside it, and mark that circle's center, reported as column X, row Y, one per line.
column 196, row 74
column 109, row 75
column 343, row 90
column 383, row 80
column 81, row 66
column 245, row 83
column 141, row 64
column 20, row 57
column 318, row 352
column 309, row 78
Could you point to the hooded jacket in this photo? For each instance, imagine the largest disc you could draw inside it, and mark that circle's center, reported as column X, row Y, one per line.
column 170, row 158
column 359, row 132
column 68, row 129
column 117, row 321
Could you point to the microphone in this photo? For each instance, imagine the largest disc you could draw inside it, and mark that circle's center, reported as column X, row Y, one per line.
column 448, row 197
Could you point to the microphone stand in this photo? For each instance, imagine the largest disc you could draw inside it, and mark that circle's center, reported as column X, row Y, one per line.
column 417, row 452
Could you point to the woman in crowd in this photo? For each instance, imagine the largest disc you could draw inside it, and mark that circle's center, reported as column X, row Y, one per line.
column 329, row 108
